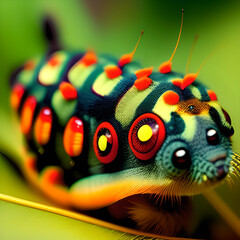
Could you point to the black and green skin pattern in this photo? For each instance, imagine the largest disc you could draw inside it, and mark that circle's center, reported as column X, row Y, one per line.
column 93, row 109
column 155, row 136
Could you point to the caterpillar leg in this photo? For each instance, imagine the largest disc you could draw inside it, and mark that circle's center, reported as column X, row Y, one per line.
column 166, row 216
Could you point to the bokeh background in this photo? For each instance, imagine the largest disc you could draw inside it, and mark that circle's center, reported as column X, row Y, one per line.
column 113, row 27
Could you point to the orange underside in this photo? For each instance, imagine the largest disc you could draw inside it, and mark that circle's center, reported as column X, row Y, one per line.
column 81, row 198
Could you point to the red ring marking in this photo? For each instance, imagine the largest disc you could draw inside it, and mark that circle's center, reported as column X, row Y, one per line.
column 114, row 150
column 160, row 137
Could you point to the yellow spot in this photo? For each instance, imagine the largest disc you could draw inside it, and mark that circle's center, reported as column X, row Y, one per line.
column 129, row 103
column 48, row 74
column 144, row 133
column 103, row 85
column 102, row 143
column 79, row 73
column 204, row 177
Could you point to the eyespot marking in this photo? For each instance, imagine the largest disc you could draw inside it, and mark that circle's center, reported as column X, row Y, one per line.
column 153, row 129
column 105, row 143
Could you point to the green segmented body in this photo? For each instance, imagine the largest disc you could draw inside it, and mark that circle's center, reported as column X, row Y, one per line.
column 101, row 99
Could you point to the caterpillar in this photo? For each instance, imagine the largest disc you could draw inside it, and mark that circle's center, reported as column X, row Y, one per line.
column 101, row 130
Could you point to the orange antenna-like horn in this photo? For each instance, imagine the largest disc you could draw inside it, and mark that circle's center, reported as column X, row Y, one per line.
column 191, row 53
column 189, row 78
column 166, row 67
column 127, row 58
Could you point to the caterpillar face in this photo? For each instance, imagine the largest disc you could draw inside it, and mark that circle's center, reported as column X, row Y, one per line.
column 204, row 159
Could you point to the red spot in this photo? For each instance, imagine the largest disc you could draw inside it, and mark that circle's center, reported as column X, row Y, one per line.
column 43, row 126
column 125, row 59
column 170, row 97
column 143, row 83
column 68, row 91
column 54, row 61
column 27, row 114
column 186, row 81
column 165, row 67
column 16, row 96
column 55, row 177
column 29, row 65
column 89, row 58
column 76, row 125
column 31, row 163
column 177, row 82
column 73, row 137
column 145, row 72
column 212, row 95
column 112, row 71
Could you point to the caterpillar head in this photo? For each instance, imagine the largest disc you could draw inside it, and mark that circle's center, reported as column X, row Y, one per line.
column 185, row 135
column 162, row 140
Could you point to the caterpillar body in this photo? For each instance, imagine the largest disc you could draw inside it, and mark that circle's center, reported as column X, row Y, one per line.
column 99, row 130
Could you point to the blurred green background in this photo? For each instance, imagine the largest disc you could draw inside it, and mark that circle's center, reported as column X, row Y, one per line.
column 113, row 27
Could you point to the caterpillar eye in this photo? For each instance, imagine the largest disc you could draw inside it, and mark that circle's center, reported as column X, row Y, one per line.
column 181, row 158
column 212, row 136
column 105, row 143
column 146, row 136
